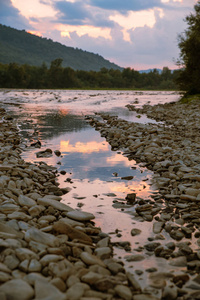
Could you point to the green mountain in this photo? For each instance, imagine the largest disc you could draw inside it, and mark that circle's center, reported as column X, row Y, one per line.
column 22, row 47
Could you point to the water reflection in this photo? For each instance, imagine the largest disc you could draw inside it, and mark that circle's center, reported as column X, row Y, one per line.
column 89, row 147
column 49, row 123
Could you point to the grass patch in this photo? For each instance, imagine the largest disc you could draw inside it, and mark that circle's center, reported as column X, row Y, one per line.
column 189, row 98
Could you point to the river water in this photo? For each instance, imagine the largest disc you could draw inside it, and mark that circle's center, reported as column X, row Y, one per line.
column 93, row 171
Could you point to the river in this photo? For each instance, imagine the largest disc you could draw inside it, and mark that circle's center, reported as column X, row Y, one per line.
column 93, row 171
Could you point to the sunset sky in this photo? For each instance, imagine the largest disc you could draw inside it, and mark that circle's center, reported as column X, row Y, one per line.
column 140, row 34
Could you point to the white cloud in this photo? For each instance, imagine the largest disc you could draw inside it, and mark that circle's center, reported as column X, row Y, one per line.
column 91, row 31
column 37, row 10
column 135, row 19
column 137, row 34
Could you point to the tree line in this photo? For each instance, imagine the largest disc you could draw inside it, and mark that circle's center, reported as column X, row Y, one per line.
column 22, row 47
column 189, row 60
column 13, row 75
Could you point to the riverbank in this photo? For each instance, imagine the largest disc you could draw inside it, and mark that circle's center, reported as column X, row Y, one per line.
column 45, row 254
column 171, row 149
column 49, row 250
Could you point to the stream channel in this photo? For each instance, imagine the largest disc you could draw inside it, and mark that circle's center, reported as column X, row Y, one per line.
column 93, row 171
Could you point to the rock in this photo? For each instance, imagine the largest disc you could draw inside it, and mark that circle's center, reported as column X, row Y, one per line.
column 157, row 227
column 72, row 280
column 4, row 268
column 11, row 261
column 34, row 266
column 36, row 144
column 90, row 259
column 45, row 290
column 170, row 292
column 17, row 289
column 46, row 259
column 177, row 235
column 192, row 192
column 100, row 270
column 135, row 257
column 127, row 178
column 38, row 236
column 181, row 278
column 131, row 198
column 71, row 232
column 115, row 267
column 123, row 291
column 57, row 153
column 24, row 253
column 17, row 215
column 37, row 247
column 8, row 208
column 163, row 251
column 45, row 153
column 105, row 284
column 91, row 277
column 178, row 261
column 54, row 203
column 135, row 231
column 35, row 210
column 103, row 252
column 151, row 246
column 76, row 291
column 32, row 277
column 7, row 229
column 80, row 215
column 26, row 201
column 133, row 282
column 187, row 197
column 71, row 222
column 103, row 242
column 23, row 266
column 4, row 277
column 145, row 297
column 59, row 284
column 95, row 295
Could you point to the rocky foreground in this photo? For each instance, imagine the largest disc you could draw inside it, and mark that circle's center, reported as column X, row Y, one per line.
column 48, row 250
column 171, row 150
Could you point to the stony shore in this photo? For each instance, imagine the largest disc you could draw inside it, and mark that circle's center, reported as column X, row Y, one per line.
column 50, row 251
column 170, row 148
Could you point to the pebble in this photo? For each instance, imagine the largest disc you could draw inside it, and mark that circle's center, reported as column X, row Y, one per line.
column 34, row 234
column 90, row 259
column 135, row 231
column 54, row 203
column 123, row 291
column 78, row 215
column 17, row 289
column 46, row 290
column 71, row 232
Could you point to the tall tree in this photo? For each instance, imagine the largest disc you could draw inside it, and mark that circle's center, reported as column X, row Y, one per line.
column 189, row 44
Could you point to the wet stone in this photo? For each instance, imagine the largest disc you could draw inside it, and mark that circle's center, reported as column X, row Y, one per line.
column 135, row 257
column 80, row 215
column 135, row 231
column 151, row 246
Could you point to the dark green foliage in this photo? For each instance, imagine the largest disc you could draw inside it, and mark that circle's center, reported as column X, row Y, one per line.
column 189, row 44
column 21, row 47
column 57, row 77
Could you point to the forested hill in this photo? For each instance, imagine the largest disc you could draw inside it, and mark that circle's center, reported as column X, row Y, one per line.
column 22, row 47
